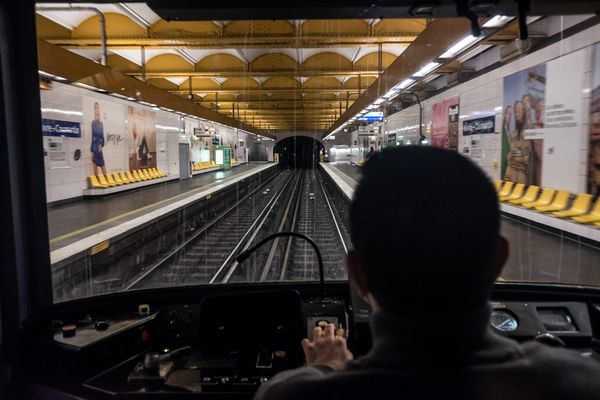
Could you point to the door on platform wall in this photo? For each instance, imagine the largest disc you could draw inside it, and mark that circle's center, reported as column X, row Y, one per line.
column 185, row 171
column 258, row 152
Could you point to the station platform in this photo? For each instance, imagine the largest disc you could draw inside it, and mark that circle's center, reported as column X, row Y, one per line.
column 543, row 248
column 72, row 222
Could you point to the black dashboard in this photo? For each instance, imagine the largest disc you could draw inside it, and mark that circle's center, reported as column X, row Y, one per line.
column 227, row 341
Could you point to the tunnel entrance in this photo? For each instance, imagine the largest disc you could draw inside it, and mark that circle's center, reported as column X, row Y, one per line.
column 299, row 152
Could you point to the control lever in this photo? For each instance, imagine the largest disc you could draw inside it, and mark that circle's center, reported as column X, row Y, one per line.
column 550, row 340
column 152, row 360
column 246, row 253
column 148, row 373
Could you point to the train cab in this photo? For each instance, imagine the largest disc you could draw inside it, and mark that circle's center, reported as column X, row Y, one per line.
column 182, row 179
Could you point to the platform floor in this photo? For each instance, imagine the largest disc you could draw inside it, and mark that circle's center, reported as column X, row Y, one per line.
column 536, row 254
column 73, row 221
column 350, row 173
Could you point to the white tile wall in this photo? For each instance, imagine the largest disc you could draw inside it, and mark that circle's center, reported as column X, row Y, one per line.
column 66, row 183
column 481, row 96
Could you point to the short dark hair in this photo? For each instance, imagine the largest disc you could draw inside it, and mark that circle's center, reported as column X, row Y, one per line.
column 425, row 224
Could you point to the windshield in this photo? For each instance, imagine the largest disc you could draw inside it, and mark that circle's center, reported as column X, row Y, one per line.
column 171, row 147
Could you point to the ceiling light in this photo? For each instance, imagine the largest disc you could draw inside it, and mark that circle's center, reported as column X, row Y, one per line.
column 460, row 46
column 392, row 93
column 89, row 87
column 404, row 84
column 59, row 111
column 379, row 101
column 497, row 21
column 427, row 69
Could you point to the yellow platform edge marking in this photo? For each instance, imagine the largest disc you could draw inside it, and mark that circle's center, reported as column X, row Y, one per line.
column 117, row 217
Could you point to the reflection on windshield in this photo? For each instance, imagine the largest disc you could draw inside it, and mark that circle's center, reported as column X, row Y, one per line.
column 263, row 126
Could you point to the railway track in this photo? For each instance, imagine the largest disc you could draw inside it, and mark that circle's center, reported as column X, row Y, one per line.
column 199, row 260
column 291, row 201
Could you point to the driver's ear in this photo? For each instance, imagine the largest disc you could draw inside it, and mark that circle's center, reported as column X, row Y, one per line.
column 355, row 273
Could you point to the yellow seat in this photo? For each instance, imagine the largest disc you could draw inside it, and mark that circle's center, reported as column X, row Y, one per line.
column 559, row 203
column 580, row 206
column 153, row 173
column 124, row 177
column 96, row 184
column 157, row 173
column 506, row 189
column 530, row 195
column 117, row 178
column 497, row 184
column 137, row 176
column 545, row 199
column 162, row 173
column 150, row 174
column 517, row 193
column 213, row 164
column 146, row 174
column 111, row 180
column 131, row 177
column 593, row 216
column 104, row 181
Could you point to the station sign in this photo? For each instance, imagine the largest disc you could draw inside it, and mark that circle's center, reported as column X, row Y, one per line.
column 373, row 116
column 55, row 127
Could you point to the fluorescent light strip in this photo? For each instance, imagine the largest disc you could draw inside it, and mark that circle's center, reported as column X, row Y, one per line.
column 168, row 128
column 460, row 46
column 390, row 94
column 404, row 84
column 90, row 87
column 497, row 21
column 48, row 75
column 59, row 111
column 427, row 69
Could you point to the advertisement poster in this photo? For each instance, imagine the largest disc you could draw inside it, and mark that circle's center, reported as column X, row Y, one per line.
column 104, row 147
column 594, row 156
column 444, row 124
column 522, row 121
column 140, row 128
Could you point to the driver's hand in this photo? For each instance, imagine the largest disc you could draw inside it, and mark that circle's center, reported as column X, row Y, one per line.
column 327, row 348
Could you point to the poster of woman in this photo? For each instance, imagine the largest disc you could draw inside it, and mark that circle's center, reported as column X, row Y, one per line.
column 524, row 96
column 98, row 142
column 594, row 156
column 105, row 147
column 141, row 133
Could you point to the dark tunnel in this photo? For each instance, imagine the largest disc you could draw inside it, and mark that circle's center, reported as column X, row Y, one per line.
column 299, row 152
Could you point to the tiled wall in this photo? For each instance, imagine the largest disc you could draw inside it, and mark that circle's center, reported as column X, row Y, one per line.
column 65, row 102
column 484, row 96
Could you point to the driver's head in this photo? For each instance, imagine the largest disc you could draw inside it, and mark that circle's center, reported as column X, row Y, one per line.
column 425, row 229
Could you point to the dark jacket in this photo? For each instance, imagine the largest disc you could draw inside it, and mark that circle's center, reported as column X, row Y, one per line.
column 444, row 357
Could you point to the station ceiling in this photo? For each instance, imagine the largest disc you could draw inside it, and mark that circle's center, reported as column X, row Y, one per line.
column 277, row 75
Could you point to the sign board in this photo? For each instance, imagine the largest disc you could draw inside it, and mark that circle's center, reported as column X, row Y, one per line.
column 55, row 127
column 391, row 137
column 373, row 116
column 366, row 131
column 479, row 126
